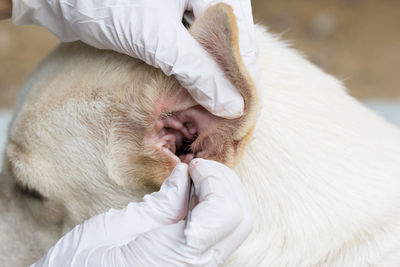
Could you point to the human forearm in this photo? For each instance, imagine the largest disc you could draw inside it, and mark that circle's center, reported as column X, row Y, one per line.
column 5, row 9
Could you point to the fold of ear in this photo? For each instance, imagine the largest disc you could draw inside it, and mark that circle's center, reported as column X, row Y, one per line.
column 216, row 30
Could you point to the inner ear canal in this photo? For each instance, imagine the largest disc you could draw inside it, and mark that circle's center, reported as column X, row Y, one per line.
column 179, row 136
column 191, row 132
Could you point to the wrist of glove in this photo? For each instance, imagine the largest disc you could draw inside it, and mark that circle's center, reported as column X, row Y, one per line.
column 152, row 31
column 153, row 233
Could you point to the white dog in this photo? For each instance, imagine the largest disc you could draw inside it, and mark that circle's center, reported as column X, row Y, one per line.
column 322, row 171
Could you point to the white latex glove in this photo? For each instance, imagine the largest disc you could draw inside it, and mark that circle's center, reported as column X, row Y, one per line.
column 152, row 31
column 152, row 233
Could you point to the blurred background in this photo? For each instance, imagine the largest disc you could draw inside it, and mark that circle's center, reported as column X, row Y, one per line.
column 358, row 41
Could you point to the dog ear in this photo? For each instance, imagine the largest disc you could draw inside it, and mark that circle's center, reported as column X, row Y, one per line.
column 216, row 30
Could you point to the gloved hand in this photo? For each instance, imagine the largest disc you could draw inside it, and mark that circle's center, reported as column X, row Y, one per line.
column 152, row 233
column 152, row 31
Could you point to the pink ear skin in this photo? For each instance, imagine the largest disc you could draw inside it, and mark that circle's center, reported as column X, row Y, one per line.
column 183, row 133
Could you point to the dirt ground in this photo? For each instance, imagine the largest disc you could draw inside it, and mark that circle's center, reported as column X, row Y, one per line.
column 358, row 41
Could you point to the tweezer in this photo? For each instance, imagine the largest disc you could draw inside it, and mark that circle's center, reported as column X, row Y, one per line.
column 189, row 203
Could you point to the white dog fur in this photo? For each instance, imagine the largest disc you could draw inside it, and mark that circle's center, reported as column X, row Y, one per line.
column 322, row 171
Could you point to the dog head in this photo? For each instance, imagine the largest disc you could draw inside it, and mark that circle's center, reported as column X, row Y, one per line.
column 97, row 129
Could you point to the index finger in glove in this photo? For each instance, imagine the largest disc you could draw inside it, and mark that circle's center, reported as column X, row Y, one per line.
column 223, row 205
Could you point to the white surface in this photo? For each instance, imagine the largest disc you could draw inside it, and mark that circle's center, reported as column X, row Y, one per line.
column 389, row 109
column 5, row 117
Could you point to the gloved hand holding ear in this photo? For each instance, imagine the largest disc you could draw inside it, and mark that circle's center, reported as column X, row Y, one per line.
column 153, row 233
column 152, row 31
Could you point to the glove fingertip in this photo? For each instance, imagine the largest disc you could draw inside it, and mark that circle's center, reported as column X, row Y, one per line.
column 194, row 166
column 200, row 168
column 180, row 168
column 230, row 110
column 178, row 177
column 219, row 97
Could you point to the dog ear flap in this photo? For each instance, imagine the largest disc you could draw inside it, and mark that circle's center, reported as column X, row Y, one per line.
column 216, row 30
